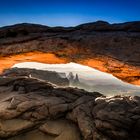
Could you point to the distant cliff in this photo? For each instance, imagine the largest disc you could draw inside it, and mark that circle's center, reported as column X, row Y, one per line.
column 73, row 80
column 49, row 76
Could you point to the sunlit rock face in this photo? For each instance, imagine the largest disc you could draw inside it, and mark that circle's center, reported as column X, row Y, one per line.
column 112, row 48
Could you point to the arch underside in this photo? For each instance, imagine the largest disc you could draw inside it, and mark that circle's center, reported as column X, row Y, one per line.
column 125, row 72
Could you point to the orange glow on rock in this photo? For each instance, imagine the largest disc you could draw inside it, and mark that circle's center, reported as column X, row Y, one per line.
column 125, row 72
column 120, row 70
column 7, row 62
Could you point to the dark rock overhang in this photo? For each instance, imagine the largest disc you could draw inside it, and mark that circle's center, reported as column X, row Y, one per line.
column 112, row 48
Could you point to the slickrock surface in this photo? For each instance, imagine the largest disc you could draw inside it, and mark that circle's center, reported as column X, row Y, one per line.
column 31, row 109
column 112, row 48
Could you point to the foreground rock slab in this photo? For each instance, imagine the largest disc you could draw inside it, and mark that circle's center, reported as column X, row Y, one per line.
column 31, row 109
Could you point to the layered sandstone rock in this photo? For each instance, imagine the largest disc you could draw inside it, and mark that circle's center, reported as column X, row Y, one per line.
column 112, row 48
column 31, row 109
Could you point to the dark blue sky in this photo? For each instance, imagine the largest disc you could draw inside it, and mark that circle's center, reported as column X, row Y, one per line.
column 67, row 12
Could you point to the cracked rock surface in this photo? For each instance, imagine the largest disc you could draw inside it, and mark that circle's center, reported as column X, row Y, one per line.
column 31, row 109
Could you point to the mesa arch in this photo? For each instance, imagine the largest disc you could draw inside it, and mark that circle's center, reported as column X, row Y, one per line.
column 111, row 48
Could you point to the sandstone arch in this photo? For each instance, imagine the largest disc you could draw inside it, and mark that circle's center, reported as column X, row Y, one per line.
column 109, row 48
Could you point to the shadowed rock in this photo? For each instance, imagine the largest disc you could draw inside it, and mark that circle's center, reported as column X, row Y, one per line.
column 42, row 111
column 49, row 76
